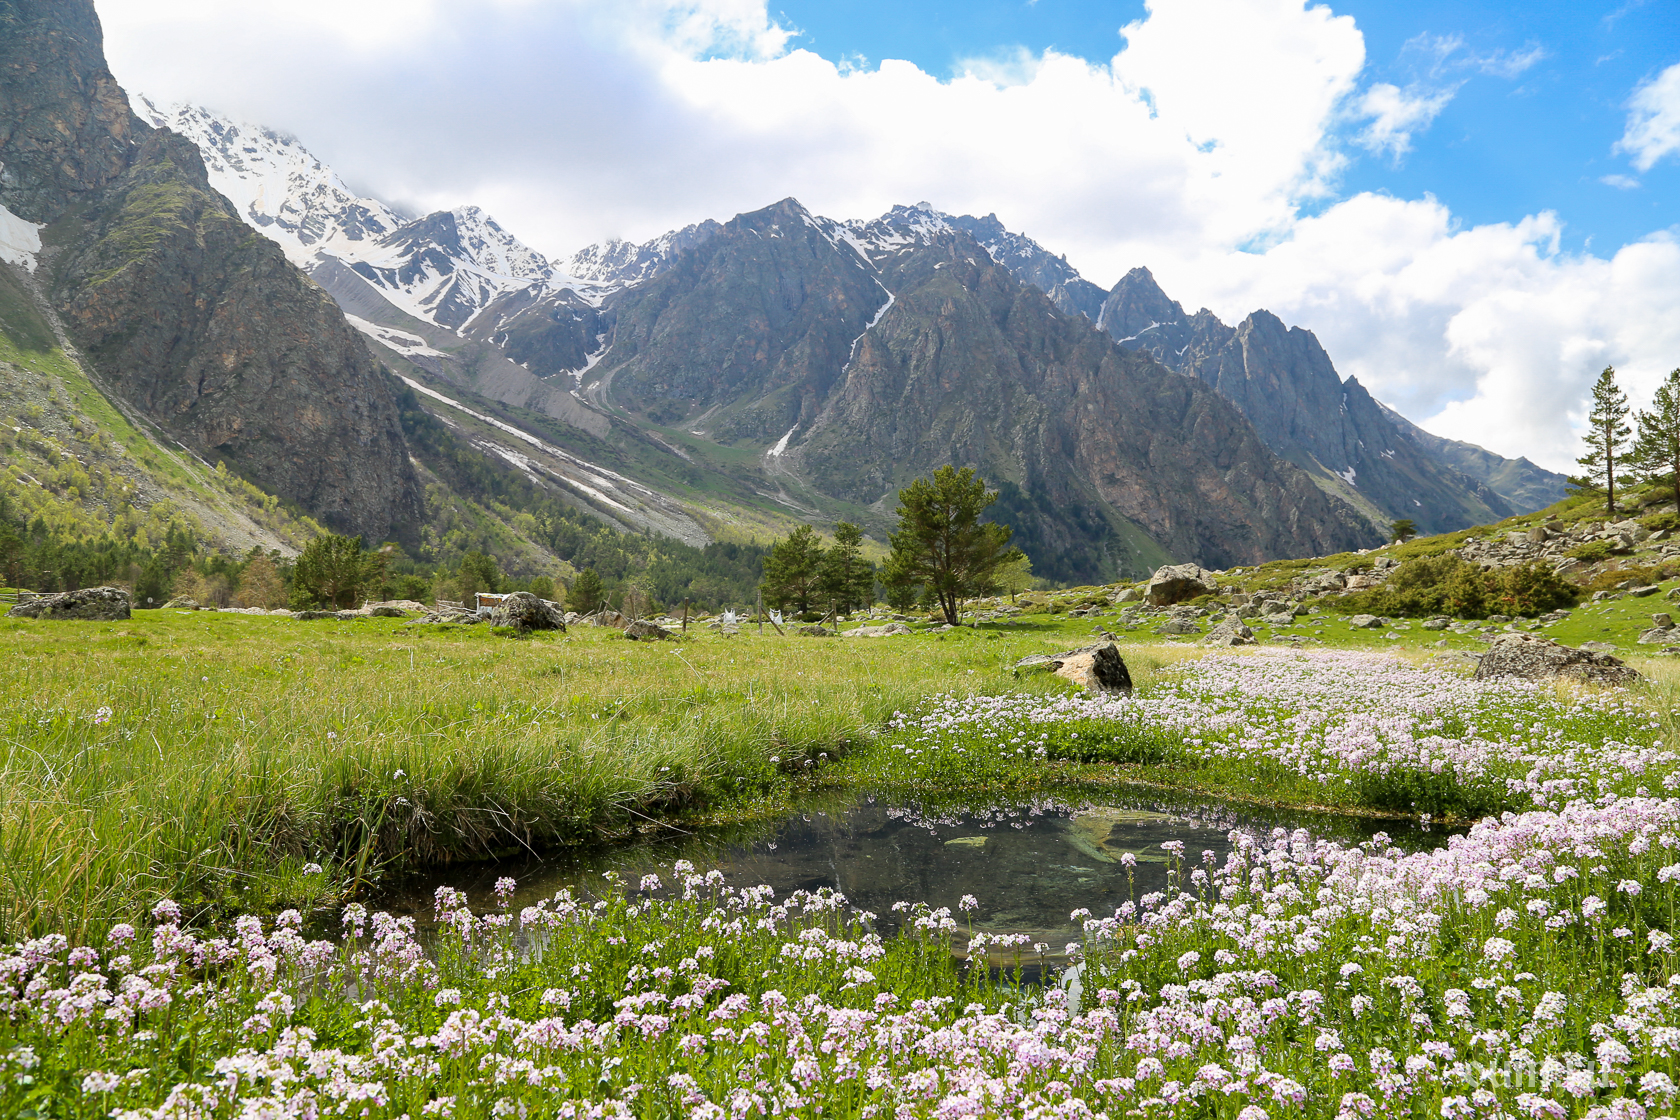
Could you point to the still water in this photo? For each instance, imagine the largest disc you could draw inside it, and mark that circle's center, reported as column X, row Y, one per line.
column 1027, row 865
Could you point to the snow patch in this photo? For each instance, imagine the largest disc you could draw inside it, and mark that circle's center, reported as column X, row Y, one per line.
column 20, row 241
column 406, row 343
column 1347, row 476
column 777, row 451
column 1140, row 334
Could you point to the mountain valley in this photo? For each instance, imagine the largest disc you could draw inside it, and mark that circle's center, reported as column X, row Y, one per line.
column 723, row 382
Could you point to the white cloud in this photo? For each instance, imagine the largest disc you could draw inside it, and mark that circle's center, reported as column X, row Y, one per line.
column 1396, row 114
column 1653, row 125
column 1620, row 182
column 574, row 120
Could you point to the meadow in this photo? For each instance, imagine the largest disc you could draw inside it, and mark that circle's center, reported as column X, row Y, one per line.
column 201, row 812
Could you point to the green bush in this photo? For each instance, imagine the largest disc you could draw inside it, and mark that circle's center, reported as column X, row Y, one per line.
column 1591, row 552
column 1434, row 585
column 1661, row 522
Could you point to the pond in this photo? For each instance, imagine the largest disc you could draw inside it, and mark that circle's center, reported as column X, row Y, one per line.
column 1027, row 865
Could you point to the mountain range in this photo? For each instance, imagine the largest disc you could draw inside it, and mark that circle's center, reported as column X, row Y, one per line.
column 726, row 380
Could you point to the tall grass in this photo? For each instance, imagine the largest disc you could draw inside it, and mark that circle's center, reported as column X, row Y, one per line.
column 211, row 758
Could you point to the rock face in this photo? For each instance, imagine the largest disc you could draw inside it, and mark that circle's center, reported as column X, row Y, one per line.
column 1535, row 658
column 90, row 604
column 1103, row 459
column 525, row 612
column 1287, row 387
column 178, row 308
column 1174, row 583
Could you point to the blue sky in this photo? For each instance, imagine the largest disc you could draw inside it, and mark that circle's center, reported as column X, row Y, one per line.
column 1503, row 146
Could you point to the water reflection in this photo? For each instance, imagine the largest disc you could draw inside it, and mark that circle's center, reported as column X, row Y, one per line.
column 1028, row 866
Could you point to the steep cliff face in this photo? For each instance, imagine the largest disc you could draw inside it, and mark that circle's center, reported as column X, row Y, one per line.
column 1285, row 384
column 180, row 308
column 970, row 366
column 743, row 336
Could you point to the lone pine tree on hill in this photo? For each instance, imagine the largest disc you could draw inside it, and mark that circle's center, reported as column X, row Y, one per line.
column 1607, row 438
column 1657, row 450
column 942, row 546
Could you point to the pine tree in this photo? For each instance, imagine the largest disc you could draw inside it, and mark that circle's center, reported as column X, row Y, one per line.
column 587, row 594
column 1607, row 438
column 793, row 571
column 1656, row 452
column 848, row 580
column 942, row 546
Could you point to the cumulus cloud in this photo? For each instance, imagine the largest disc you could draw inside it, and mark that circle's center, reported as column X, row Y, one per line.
column 1653, row 125
column 1199, row 150
column 1396, row 114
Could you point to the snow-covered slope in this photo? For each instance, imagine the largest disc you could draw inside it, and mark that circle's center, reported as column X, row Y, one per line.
column 444, row 267
column 277, row 185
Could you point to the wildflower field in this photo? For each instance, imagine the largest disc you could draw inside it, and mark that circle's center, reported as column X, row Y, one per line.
column 1519, row 964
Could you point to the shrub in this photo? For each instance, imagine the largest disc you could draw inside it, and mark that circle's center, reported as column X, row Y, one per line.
column 1532, row 588
column 1592, row 552
column 1661, row 522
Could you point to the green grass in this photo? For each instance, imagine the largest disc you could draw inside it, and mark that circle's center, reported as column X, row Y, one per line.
column 239, row 748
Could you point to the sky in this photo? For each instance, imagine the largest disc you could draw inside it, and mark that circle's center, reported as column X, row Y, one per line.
column 1474, row 205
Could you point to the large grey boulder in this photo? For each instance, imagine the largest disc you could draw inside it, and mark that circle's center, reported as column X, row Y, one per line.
column 1174, row 583
column 1535, row 658
column 525, row 612
column 1099, row 668
column 90, row 604
column 644, row 631
column 1365, row 622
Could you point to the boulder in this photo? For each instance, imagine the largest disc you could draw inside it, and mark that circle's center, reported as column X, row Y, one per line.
column 1099, row 668
column 525, row 612
column 1174, row 583
column 384, row 611
column 606, row 617
column 1178, row 626
column 1532, row 657
column 1229, row 633
column 90, row 604
column 644, row 631
column 1365, row 622
column 1130, row 595
column 1278, row 618
column 1440, row 622
column 312, row 616
column 183, row 603
column 886, row 631
column 814, row 631
column 1662, row 620
column 1657, row 635
column 1639, row 592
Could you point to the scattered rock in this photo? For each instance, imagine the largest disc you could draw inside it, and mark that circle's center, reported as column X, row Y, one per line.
column 1365, row 622
column 1174, row 583
column 1532, row 657
column 1231, row 632
column 605, row 617
column 1178, row 626
column 181, row 604
column 525, row 612
column 384, row 611
column 1100, row 669
column 90, row 604
column 1130, row 595
column 1440, row 622
column 1278, row 618
column 886, row 631
column 311, row 616
column 1656, row 636
column 1641, row 591
column 642, row 630
column 1663, row 621
column 814, row 631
